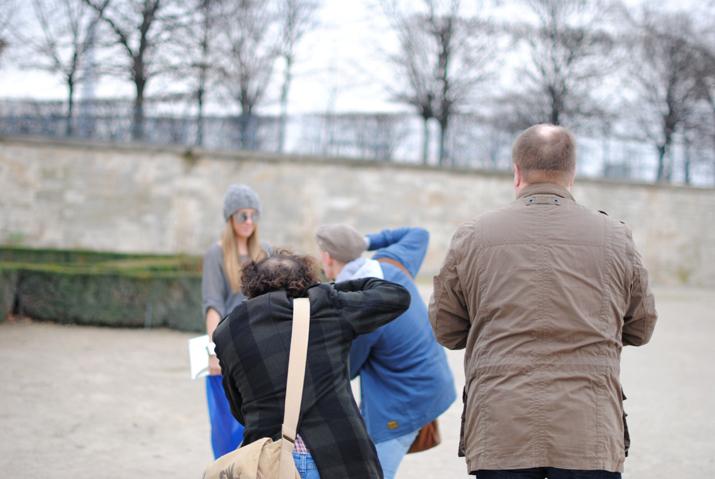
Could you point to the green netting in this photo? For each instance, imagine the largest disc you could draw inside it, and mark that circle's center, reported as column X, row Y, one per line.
column 102, row 289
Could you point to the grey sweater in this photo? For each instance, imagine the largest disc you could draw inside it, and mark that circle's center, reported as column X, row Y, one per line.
column 215, row 291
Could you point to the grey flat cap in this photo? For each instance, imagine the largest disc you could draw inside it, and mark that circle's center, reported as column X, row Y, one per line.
column 341, row 241
column 239, row 197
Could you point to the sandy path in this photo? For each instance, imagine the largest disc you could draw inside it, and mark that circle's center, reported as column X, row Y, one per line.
column 114, row 403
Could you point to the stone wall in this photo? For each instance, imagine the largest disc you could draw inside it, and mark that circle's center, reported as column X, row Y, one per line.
column 168, row 200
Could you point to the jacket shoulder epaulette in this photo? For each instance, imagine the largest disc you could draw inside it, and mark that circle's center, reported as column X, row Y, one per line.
column 604, row 213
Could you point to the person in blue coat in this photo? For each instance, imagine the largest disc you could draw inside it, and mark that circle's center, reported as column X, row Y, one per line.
column 405, row 381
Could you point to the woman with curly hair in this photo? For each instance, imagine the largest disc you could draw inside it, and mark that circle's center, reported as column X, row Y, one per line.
column 221, row 290
column 253, row 345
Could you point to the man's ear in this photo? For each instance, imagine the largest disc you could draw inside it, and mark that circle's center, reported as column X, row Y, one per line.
column 326, row 263
column 518, row 178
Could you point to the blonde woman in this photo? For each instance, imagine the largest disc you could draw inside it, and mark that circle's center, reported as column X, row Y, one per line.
column 221, row 292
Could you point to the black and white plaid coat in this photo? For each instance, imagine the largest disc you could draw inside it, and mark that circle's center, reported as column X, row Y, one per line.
column 253, row 342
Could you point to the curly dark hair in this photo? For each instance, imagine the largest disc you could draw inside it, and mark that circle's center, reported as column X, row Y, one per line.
column 284, row 270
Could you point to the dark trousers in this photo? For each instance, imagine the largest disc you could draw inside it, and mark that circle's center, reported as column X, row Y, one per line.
column 544, row 472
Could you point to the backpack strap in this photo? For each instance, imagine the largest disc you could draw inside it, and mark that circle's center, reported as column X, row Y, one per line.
column 294, row 386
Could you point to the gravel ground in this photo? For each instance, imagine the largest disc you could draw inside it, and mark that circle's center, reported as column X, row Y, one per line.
column 81, row 402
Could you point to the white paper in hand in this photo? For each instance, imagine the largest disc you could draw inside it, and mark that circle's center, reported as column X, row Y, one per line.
column 199, row 356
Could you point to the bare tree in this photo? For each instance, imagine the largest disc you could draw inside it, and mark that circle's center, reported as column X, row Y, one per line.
column 196, row 44
column 570, row 53
column 296, row 18
column 6, row 14
column 413, row 64
column 248, row 50
column 664, row 73
column 704, row 41
column 466, row 53
column 65, row 34
column 141, row 28
column 707, row 89
column 206, row 22
column 443, row 57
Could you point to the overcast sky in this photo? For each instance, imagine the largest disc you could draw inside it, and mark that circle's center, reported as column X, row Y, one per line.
column 339, row 66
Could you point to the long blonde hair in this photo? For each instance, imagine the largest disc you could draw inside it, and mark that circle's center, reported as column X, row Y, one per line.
column 231, row 262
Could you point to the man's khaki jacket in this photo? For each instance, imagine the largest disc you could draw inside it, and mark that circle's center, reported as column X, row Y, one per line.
column 543, row 294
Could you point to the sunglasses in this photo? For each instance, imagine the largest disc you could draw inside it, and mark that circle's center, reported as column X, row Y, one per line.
column 243, row 217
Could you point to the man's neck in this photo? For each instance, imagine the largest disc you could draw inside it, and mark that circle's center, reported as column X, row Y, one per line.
column 338, row 267
column 519, row 189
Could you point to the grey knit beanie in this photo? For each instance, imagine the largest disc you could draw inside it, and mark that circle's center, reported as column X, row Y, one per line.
column 239, row 197
column 341, row 241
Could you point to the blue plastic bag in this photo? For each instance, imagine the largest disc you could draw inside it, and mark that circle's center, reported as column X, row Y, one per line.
column 226, row 431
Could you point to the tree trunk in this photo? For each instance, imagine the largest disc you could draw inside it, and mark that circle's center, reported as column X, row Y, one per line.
column 69, row 126
column 201, row 91
column 425, row 140
column 662, row 150
column 555, row 104
column 664, row 165
column 668, row 173
column 246, row 125
column 443, row 155
column 713, row 169
column 200, row 96
column 686, row 162
column 200, row 115
column 555, row 116
column 285, row 88
column 138, row 118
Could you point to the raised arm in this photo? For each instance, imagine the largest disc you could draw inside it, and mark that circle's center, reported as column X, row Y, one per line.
column 368, row 303
column 406, row 245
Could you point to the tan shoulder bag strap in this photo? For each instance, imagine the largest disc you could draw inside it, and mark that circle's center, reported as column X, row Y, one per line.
column 294, row 387
column 396, row 264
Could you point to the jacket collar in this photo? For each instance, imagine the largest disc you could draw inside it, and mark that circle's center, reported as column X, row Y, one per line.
column 545, row 189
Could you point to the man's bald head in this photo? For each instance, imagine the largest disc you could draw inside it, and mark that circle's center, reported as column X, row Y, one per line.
column 545, row 153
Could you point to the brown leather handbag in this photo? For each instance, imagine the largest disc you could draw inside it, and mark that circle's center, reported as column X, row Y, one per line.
column 428, row 436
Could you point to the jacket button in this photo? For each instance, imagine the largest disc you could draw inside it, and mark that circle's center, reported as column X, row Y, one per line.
column 392, row 425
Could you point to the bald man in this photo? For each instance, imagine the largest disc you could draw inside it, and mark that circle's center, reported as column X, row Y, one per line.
column 543, row 295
